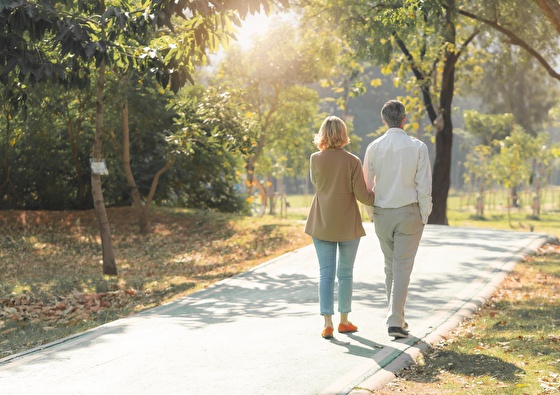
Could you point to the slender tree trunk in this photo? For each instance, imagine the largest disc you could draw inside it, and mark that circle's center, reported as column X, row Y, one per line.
column 109, row 265
column 134, row 192
column 480, row 201
column 73, row 136
column 250, row 164
column 74, row 132
column 7, row 182
column 441, row 175
column 142, row 208
column 271, row 194
column 514, row 197
column 5, row 166
column 253, row 183
column 155, row 182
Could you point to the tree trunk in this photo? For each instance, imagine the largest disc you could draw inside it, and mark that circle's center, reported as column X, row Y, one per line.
column 109, row 265
column 514, row 197
column 480, row 201
column 7, row 183
column 73, row 137
column 74, row 132
column 444, row 132
column 252, row 161
column 252, row 182
column 509, row 212
column 134, row 192
column 441, row 174
column 271, row 194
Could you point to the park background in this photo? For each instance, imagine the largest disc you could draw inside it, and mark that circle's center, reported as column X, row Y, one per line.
column 184, row 113
column 148, row 149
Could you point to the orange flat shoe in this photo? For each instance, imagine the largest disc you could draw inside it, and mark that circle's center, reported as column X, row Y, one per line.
column 327, row 332
column 347, row 328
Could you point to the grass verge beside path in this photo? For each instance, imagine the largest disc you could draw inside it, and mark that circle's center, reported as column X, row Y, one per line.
column 510, row 346
column 51, row 282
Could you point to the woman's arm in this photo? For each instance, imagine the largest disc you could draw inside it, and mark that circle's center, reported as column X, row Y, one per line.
column 361, row 191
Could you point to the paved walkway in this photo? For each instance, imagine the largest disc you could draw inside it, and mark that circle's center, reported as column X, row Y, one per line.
column 259, row 332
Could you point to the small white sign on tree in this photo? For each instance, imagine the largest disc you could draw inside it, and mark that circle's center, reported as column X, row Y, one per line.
column 98, row 166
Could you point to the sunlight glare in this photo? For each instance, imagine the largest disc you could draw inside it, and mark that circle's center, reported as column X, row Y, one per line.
column 257, row 24
column 253, row 26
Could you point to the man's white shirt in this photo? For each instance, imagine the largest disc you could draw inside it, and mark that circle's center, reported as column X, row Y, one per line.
column 397, row 168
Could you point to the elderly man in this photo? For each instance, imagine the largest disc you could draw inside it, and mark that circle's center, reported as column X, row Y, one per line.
column 397, row 168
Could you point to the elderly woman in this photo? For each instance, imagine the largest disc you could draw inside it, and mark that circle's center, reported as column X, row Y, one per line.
column 334, row 221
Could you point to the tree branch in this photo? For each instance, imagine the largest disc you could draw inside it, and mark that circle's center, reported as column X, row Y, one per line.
column 424, row 86
column 515, row 40
column 155, row 181
column 467, row 42
column 415, row 69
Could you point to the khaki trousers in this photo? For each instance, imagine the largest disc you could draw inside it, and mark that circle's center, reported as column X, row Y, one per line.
column 399, row 231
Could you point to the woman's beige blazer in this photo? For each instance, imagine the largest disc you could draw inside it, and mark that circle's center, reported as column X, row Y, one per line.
column 338, row 180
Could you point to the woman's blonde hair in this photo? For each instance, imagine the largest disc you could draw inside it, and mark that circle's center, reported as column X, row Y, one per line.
column 333, row 134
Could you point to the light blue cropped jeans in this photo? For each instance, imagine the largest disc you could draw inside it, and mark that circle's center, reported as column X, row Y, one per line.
column 326, row 253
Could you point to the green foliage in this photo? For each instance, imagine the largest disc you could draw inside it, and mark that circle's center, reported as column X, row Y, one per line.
column 344, row 74
column 291, row 133
column 488, row 127
column 512, row 166
column 58, row 41
column 214, row 130
column 219, row 117
column 46, row 156
column 513, row 83
column 64, row 42
column 208, row 132
column 478, row 166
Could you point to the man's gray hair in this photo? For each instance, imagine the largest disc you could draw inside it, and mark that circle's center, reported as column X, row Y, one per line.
column 393, row 113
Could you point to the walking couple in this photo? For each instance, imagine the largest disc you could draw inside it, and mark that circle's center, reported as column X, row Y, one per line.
column 395, row 184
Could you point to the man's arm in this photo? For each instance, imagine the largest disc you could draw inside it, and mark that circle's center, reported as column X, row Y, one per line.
column 369, row 178
column 424, row 184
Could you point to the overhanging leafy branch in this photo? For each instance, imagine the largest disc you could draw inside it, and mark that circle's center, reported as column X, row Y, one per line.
column 515, row 40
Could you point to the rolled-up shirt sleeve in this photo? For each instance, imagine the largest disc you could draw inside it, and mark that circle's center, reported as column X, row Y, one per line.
column 369, row 179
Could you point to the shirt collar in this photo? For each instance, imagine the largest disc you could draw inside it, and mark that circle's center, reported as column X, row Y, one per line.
column 395, row 130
